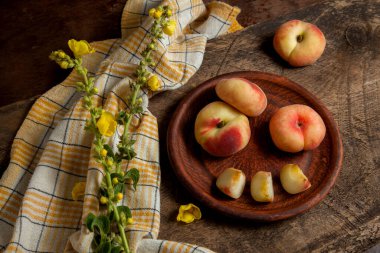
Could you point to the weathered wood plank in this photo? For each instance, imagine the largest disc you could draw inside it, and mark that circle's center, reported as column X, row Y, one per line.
column 30, row 30
column 346, row 79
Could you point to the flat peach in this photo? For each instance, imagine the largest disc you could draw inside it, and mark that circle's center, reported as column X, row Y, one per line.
column 221, row 130
column 242, row 94
column 294, row 128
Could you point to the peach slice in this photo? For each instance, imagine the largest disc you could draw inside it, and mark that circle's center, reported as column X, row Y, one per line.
column 293, row 180
column 262, row 187
column 231, row 182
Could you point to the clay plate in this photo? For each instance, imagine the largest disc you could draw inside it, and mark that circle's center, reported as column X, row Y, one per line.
column 197, row 170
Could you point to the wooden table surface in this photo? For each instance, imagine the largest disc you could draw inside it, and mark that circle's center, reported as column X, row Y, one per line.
column 346, row 79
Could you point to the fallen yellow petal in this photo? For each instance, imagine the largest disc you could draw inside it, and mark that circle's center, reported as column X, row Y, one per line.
column 78, row 190
column 188, row 213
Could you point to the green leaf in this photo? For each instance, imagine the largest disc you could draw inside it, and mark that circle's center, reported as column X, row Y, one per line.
column 90, row 220
column 133, row 174
column 129, row 154
column 116, row 249
column 102, row 223
column 109, row 150
column 125, row 210
column 104, row 192
column 117, row 175
column 104, row 247
column 119, row 188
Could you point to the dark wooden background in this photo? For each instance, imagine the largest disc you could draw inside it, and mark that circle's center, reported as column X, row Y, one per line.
column 345, row 79
column 30, row 30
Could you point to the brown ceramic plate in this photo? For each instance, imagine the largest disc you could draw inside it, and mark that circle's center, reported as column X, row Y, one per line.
column 197, row 170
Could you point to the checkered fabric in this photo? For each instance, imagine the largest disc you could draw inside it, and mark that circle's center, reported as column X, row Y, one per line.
column 52, row 151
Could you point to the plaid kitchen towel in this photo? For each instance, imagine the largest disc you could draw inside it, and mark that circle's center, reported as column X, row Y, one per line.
column 52, row 151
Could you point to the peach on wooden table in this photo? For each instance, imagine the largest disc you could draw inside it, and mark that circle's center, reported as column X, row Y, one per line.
column 221, row 130
column 297, row 127
column 245, row 96
column 293, row 180
column 299, row 43
column 231, row 182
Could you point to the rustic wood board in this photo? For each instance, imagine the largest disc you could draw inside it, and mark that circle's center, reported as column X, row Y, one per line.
column 30, row 30
column 346, row 79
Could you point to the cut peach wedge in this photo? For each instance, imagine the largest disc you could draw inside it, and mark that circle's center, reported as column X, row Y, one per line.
column 231, row 182
column 293, row 180
column 262, row 187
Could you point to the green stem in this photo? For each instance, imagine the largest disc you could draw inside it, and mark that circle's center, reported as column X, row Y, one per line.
column 130, row 116
column 123, row 238
column 110, row 189
column 121, row 229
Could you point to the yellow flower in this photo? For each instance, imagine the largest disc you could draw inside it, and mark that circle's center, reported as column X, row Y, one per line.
column 61, row 54
column 152, row 11
column 169, row 13
column 103, row 152
column 154, row 83
column 119, row 196
column 189, row 213
column 169, row 28
column 64, row 64
column 80, row 48
column 130, row 220
column 109, row 162
column 115, row 180
column 78, row 190
column 157, row 14
column 106, row 124
column 103, row 200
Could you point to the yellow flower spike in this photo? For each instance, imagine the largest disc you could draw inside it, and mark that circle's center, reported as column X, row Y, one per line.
column 103, row 200
column 106, row 124
column 157, row 14
column 103, row 152
column 169, row 28
column 119, row 196
column 154, row 83
column 80, row 48
column 188, row 213
column 78, row 190
column 152, row 11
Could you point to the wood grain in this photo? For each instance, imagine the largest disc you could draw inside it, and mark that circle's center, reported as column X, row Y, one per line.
column 346, row 79
column 197, row 170
column 30, row 30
